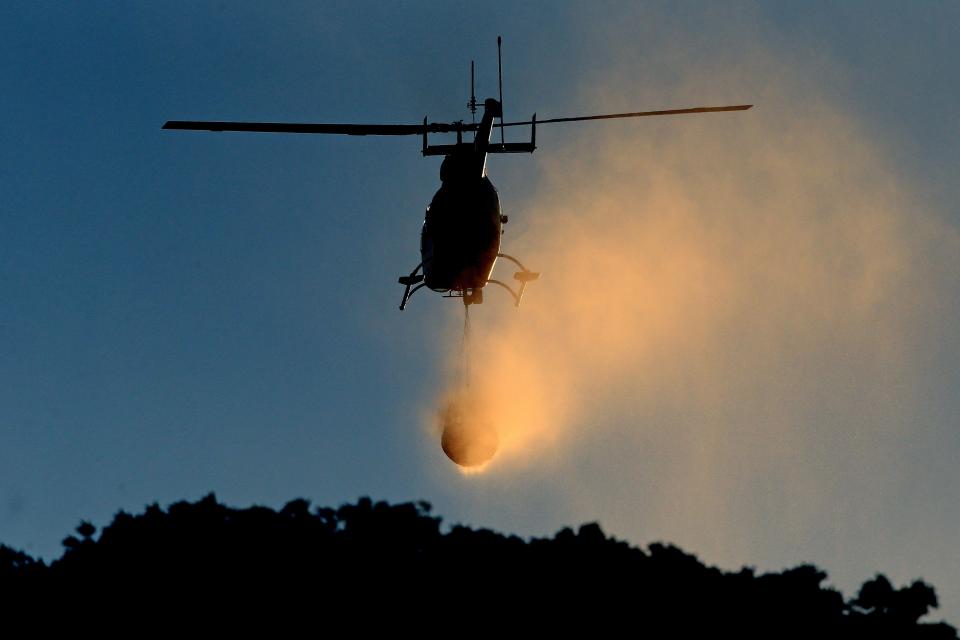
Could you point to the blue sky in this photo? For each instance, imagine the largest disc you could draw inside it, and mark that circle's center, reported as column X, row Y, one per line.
column 186, row 313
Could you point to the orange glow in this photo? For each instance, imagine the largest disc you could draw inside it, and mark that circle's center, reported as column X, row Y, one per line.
column 708, row 284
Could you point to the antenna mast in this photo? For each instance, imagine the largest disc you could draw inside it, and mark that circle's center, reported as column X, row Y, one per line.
column 472, row 105
column 500, row 80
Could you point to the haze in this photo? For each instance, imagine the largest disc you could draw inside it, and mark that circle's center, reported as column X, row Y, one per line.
column 743, row 342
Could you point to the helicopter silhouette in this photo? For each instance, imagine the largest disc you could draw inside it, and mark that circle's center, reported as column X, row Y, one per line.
column 460, row 239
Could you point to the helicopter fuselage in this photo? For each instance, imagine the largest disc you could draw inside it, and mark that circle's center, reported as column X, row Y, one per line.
column 460, row 239
column 461, row 234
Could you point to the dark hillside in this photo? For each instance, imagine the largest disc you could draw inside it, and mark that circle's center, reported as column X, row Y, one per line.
column 377, row 557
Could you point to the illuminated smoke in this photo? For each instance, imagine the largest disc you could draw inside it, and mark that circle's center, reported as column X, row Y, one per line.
column 744, row 338
column 710, row 283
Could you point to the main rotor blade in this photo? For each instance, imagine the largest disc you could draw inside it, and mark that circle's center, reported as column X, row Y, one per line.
column 294, row 127
column 636, row 114
column 406, row 129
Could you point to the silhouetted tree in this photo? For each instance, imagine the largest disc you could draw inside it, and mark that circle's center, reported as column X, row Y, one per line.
column 373, row 563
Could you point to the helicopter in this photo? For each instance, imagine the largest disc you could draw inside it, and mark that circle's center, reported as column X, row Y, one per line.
column 463, row 225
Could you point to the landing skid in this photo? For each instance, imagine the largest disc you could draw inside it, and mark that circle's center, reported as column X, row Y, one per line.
column 523, row 277
column 414, row 282
column 415, row 278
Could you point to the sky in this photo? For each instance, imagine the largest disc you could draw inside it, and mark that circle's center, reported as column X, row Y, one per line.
column 744, row 340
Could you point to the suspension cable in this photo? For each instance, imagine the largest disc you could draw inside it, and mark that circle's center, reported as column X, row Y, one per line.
column 465, row 347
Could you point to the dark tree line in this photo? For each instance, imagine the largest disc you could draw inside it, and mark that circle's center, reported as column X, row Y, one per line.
column 368, row 563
